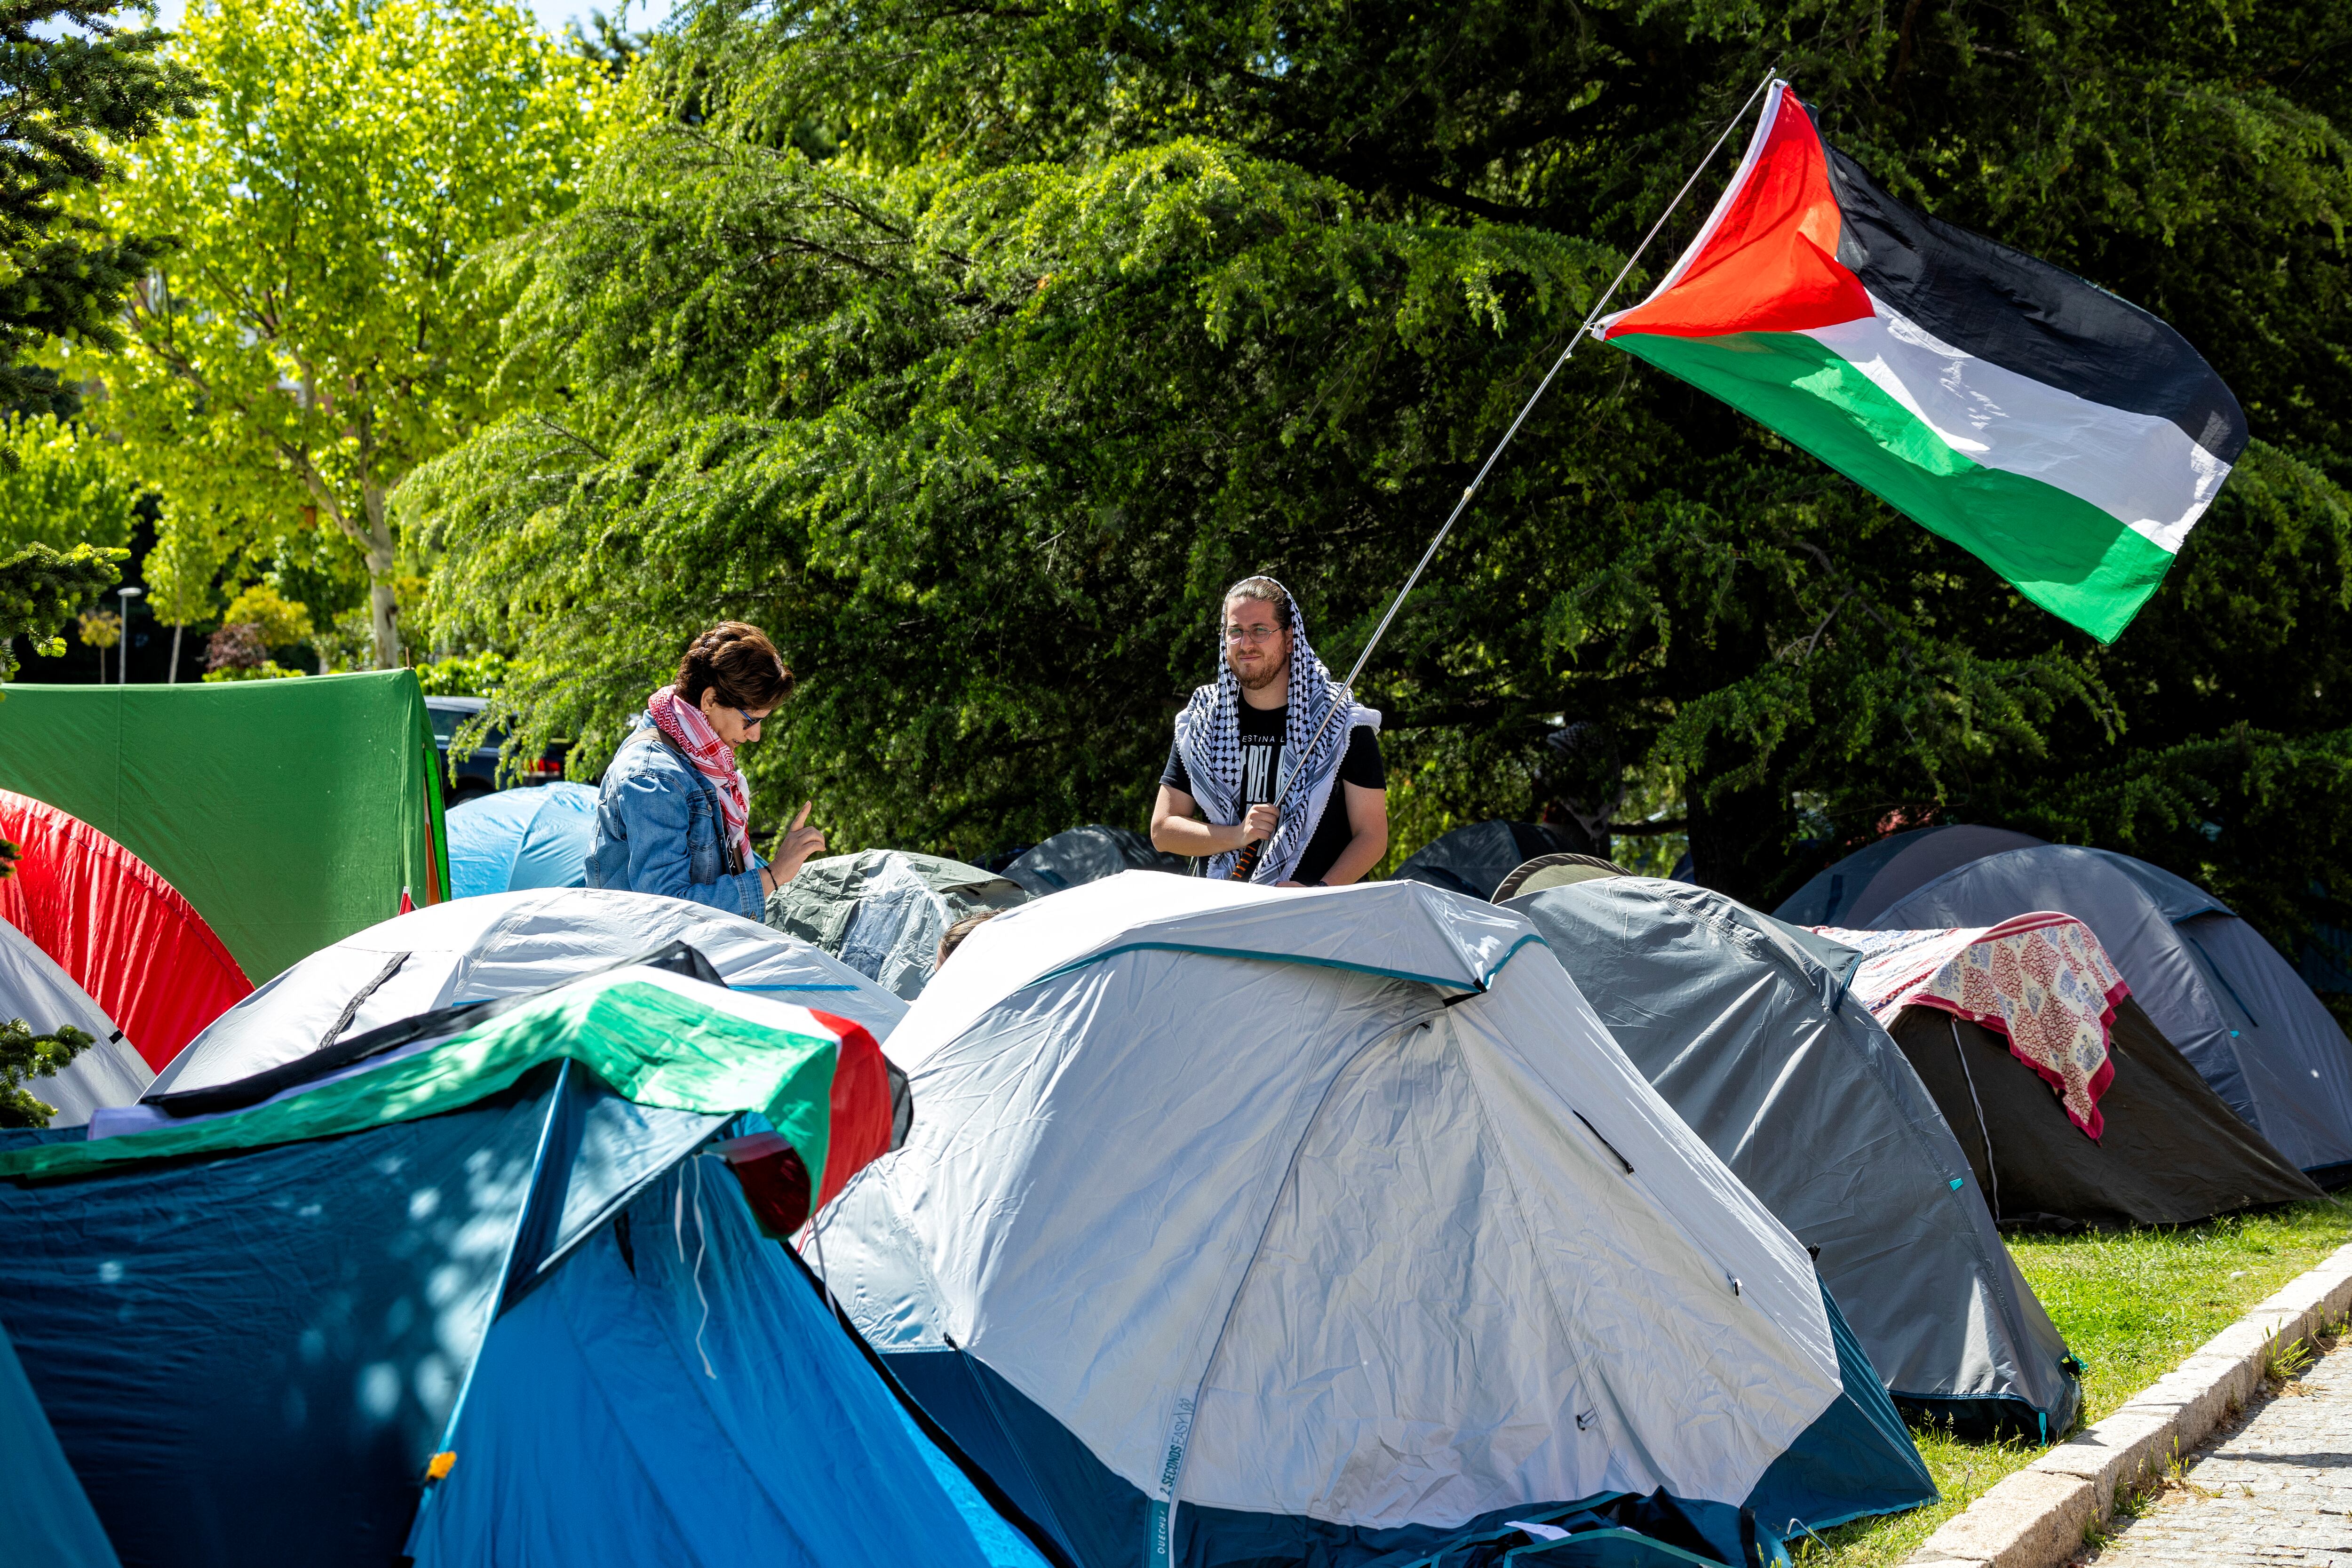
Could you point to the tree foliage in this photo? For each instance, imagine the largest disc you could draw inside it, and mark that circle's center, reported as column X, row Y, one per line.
column 74, row 85
column 62, row 485
column 972, row 350
column 26, row 1056
column 40, row 589
column 318, row 329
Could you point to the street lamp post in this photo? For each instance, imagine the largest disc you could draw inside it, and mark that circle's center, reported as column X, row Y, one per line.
column 122, row 660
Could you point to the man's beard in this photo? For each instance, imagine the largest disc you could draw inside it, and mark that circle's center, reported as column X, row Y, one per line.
column 1273, row 670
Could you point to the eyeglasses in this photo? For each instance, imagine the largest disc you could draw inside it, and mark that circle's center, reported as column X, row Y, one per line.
column 1250, row 634
column 750, row 722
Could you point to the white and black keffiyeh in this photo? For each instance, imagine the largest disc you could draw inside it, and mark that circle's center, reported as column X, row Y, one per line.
column 1208, row 737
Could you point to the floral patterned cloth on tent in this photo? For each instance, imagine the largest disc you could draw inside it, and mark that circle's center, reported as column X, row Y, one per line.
column 2041, row 980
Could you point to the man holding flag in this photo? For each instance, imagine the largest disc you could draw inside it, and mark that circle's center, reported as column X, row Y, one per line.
column 1255, row 754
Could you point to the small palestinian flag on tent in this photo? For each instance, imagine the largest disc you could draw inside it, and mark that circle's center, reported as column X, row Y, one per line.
column 2067, row 438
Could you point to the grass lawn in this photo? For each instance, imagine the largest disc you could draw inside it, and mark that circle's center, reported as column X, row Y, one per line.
column 2132, row 1305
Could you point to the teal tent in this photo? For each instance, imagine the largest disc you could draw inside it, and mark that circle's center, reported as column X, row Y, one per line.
column 500, row 1296
column 51, row 1524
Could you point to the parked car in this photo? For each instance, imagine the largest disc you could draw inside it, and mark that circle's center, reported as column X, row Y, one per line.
column 476, row 772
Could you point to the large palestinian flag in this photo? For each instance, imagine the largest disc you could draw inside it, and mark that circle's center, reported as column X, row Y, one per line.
column 2068, row 439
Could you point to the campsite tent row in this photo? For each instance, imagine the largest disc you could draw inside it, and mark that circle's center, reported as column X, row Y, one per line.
column 1956, row 1331
column 2012, row 1375
column 2209, row 985
column 497, row 1304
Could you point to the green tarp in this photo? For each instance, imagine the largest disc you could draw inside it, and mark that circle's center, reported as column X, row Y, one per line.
column 291, row 813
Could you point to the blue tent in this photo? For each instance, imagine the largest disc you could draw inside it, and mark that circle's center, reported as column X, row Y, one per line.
column 49, row 1521
column 522, row 838
column 255, row 1356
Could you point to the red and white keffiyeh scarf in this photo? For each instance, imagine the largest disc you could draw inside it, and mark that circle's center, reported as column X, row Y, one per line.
column 683, row 725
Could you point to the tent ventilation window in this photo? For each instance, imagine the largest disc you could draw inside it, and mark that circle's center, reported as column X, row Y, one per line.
column 1992, row 1173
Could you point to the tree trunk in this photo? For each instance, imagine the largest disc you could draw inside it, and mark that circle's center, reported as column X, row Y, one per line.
column 173, row 678
column 382, row 558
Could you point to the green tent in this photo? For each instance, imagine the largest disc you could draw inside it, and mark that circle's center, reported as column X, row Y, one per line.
column 291, row 813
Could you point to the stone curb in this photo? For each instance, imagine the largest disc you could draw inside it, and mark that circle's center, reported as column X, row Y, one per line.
column 2036, row 1517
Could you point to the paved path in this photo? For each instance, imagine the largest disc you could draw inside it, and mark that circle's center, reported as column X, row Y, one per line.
column 2275, row 1491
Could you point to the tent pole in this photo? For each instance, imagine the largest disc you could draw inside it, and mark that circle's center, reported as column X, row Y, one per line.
column 1246, row 862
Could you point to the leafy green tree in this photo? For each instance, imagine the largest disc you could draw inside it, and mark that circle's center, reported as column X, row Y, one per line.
column 281, row 622
column 181, row 573
column 479, row 675
column 100, row 629
column 75, row 85
column 63, row 486
column 319, row 328
column 971, row 350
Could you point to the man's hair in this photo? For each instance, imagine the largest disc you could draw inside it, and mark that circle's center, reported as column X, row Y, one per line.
column 1265, row 591
column 963, row 928
column 738, row 663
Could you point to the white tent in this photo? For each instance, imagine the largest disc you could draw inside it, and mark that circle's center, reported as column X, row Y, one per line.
column 35, row 989
column 504, row 944
column 1290, row 1217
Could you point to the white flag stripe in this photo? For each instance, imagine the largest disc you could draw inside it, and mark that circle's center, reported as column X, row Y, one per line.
column 2139, row 469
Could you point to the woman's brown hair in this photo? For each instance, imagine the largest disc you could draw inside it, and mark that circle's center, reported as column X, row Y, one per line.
column 738, row 663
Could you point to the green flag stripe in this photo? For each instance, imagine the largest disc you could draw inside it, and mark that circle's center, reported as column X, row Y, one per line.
column 2064, row 553
column 649, row 1044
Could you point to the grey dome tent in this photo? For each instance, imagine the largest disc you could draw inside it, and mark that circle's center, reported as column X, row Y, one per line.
column 1250, row 1226
column 1473, row 860
column 882, row 913
column 2214, row 988
column 1077, row 855
column 1858, row 889
column 2164, row 1149
column 1736, row 1021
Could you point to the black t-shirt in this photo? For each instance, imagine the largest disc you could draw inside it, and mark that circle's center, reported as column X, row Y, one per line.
column 1261, row 738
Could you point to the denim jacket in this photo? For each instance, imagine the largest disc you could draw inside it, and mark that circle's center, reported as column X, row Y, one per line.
column 658, row 830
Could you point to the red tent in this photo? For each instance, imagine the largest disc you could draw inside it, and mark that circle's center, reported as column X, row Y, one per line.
column 124, row 933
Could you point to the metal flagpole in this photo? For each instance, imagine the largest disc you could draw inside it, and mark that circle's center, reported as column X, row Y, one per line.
column 1248, row 860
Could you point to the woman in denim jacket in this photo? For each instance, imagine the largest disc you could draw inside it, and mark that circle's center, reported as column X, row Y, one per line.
column 672, row 817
